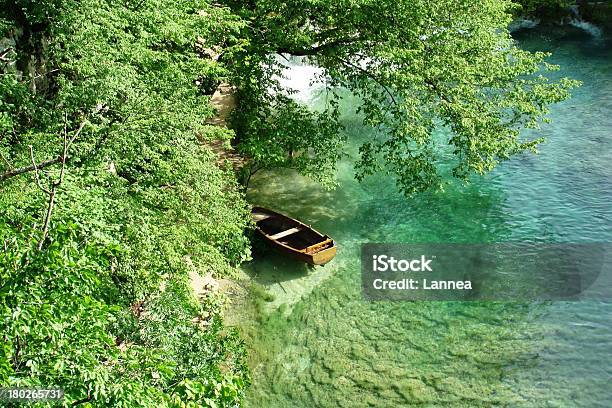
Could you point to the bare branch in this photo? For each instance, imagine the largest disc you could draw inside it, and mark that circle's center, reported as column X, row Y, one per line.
column 6, row 161
column 26, row 169
column 50, row 193
column 4, row 53
column 46, row 163
column 46, row 73
column 56, row 183
column 77, row 133
column 66, row 145
column 35, row 168
column 48, row 216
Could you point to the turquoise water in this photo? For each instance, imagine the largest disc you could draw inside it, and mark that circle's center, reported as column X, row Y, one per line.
column 321, row 345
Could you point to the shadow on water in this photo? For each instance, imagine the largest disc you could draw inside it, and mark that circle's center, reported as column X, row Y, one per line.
column 272, row 267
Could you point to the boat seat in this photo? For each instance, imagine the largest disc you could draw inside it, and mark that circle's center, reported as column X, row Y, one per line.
column 260, row 217
column 317, row 247
column 285, row 233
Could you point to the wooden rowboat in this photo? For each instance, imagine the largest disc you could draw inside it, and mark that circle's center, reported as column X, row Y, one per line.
column 294, row 237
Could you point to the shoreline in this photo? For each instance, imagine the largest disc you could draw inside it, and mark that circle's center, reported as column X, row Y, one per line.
column 224, row 102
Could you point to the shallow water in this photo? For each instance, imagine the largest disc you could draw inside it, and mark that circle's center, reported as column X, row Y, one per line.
column 327, row 347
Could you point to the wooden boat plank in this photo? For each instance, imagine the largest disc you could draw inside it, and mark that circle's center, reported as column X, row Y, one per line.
column 285, row 233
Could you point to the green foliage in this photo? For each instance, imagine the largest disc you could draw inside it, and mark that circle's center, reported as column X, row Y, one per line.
column 416, row 65
column 207, row 360
column 60, row 328
column 100, row 304
column 280, row 132
column 56, row 304
column 539, row 7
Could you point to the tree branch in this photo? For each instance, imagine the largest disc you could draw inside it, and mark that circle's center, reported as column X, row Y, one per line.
column 48, row 216
column 371, row 76
column 26, row 169
column 55, row 184
column 35, row 167
column 254, row 168
column 4, row 53
column 50, row 193
column 302, row 52
column 8, row 163
column 83, row 400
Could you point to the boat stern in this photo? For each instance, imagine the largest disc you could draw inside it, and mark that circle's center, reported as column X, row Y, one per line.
column 324, row 256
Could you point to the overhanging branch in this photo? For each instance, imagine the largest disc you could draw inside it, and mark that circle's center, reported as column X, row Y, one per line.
column 317, row 49
column 372, row 77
